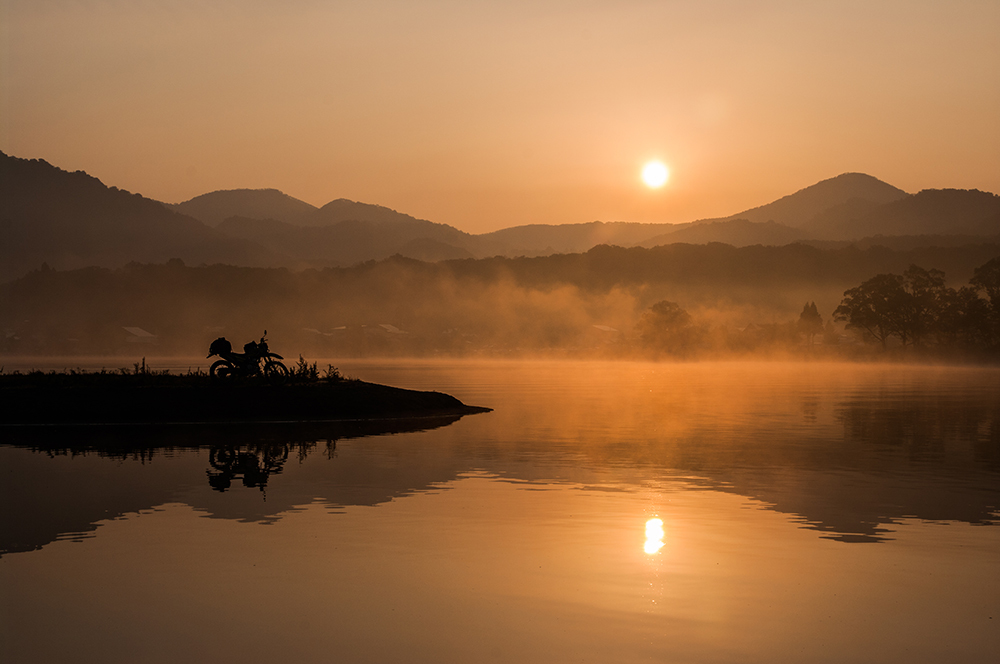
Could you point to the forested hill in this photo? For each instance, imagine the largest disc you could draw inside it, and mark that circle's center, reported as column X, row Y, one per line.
column 403, row 305
column 722, row 266
column 799, row 209
column 215, row 207
column 69, row 220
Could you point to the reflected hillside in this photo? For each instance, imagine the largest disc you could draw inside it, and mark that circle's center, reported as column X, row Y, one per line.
column 936, row 459
column 852, row 488
column 846, row 449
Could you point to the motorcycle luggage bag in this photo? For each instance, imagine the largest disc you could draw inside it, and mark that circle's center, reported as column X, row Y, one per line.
column 221, row 346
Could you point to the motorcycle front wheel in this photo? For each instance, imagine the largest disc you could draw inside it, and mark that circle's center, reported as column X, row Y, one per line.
column 275, row 372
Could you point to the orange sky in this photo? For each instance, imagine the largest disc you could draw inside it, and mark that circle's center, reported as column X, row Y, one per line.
column 492, row 114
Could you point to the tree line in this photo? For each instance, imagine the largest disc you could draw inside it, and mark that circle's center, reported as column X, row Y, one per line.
column 608, row 301
column 917, row 309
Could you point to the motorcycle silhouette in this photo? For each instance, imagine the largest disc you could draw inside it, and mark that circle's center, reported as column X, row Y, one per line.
column 253, row 465
column 255, row 360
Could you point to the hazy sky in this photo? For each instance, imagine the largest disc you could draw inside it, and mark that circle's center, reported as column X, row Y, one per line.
column 486, row 114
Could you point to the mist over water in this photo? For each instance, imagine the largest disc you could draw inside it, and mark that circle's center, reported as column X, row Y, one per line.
column 817, row 511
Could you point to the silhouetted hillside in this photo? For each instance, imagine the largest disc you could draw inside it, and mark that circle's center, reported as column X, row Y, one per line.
column 432, row 251
column 72, row 220
column 929, row 212
column 217, row 206
column 843, row 208
column 796, row 210
column 344, row 243
column 545, row 239
column 737, row 232
column 346, row 210
column 907, row 242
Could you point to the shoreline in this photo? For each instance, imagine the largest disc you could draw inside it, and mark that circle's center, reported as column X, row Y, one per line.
column 82, row 399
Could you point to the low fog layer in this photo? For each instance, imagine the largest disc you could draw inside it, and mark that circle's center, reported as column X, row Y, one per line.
column 677, row 300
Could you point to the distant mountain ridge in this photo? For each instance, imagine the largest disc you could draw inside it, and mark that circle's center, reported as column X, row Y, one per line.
column 545, row 239
column 850, row 206
column 799, row 209
column 347, row 242
column 342, row 232
column 215, row 207
column 949, row 211
column 73, row 220
column 791, row 218
column 737, row 232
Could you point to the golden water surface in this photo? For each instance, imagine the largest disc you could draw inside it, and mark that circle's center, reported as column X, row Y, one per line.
column 603, row 512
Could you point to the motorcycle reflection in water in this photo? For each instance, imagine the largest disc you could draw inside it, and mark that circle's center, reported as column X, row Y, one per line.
column 253, row 467
column 255, row 360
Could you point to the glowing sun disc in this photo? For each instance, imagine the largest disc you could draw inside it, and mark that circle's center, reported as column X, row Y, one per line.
column 655, row 174
column 654, row 536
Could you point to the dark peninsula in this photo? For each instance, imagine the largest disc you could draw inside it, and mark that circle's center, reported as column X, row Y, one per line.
column 146, row 397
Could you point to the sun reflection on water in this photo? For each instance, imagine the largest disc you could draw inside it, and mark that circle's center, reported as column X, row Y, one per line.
column 654, row 536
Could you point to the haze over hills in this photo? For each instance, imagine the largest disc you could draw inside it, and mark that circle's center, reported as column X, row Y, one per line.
column 350, row 241
column 545, row 239
column 843, row 196
column 791, row 218
column 342, row 232
column 848, row 207
column 215, row 207
column 72, row 220
column 798, row 210
column 737, row 232
column 950, row 211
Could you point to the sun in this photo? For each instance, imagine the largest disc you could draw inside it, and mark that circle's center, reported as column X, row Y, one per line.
column 655, row 174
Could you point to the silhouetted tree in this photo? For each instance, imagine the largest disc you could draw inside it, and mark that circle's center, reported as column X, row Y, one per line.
column 987, row 278
column 875, row 307
column 921, row 312
column 951, row 327
column 667, row 327
column 810, row 322
column 918, row 306
column 986, row 316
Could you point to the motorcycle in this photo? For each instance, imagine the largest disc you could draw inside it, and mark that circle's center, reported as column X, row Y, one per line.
column 255, row 360
column 253, row 466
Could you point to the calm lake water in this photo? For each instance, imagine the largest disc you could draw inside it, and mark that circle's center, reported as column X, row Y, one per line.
column 604, row 512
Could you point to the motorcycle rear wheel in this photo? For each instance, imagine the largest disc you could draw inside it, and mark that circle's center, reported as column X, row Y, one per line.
column 222, row 458
column 221, row 369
